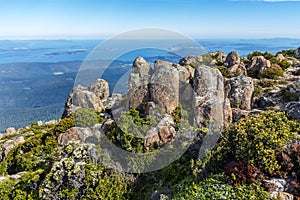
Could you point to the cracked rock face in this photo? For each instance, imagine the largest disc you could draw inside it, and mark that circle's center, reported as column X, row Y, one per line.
column 209, row 96
column 240, row 90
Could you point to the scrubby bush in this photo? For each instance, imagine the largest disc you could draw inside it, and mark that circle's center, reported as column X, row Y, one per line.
column 224, row 71
column 216, row 187
column 288, row 53
column 76, row 176
column 266, row 55
column 64, row 124
column 85, row 117
column 24, row 188
column 274, row 72
column 37, row 152
column 284, row 64
column 129, row 131
column 257, row 138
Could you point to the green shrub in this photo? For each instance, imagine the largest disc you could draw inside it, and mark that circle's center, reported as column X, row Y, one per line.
column 216, row 187
column 76, row 177
column 288, row 53
column 225, row 71
column 128, row 133
column 36, row 153
column 284, row 64
column 64, row 124
column 85, row 117
column 24, row 188
column 266, row 55
column 268, row 133
column 273, row 72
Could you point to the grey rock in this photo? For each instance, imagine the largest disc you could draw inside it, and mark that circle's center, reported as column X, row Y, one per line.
column 2, row 178
column 209, row 98
column 82, row 97
column 14, row 177
column 10, row 131
column 297, row 53
column 164, row 86
column 140, row 74
column 228, row 114
column 293, row 110
column 259, row 63
column 238, row 69
column 100, row 89
column 219, row 55
column 280, row 57
column 232, row 58
column 193, row 61
column 79, row 134
column 238, row 114
column 152, row 138
column 240, row 90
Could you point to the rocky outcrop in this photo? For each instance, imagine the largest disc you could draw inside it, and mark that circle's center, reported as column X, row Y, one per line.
column 91, row 97
column 297, row 53
column 219, row 55
column 238, row 69
column 140, row 74
column 258, row 63
column 10, row 131
column 293, row 110
column 280, row 57
column 163, row 133
column 193, row 61
column 164, row 86
column 100, row 89
column 209, row 99
column 232, row 58
column 160, row 85
column 81, row 135
column 240, row 90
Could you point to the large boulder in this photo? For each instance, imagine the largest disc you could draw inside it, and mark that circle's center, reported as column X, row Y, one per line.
column 240, row 90
column 100, row 89
column 140, row 74
column 219, row 55
column 293, row 110
column 232, row 58
column 238, row 69
column 297, row 53
column 80, row 134
column 91, row 97
column 162, row 134
column 209, row 98
column 258, row 63
column 138, row 83
column 10, row 131
column 193, row 61
column 164, row 86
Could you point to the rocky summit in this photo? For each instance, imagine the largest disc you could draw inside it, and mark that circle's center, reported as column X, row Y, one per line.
column 237, row 119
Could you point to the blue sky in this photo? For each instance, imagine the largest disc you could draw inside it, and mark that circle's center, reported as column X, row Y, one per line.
column 43, row 19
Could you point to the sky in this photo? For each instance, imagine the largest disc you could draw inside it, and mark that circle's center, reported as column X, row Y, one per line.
column 99, row 19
